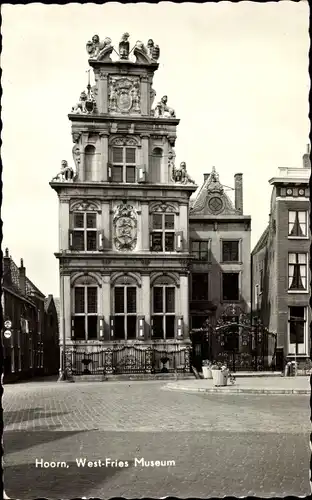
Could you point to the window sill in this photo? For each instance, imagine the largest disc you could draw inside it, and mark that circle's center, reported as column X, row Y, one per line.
column 298, row 237
column 293, row 355
column 304, row 292
column 237, row 262
column 230, row 301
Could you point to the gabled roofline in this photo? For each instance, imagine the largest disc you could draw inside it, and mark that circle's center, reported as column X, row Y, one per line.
column 262, row 240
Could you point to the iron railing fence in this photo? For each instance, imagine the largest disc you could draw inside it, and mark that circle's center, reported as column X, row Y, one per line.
column 129, row 359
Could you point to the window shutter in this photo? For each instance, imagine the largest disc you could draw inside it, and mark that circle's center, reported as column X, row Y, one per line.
column 70, row 239
column 141, row 327
column 141, row 174
column 101, row 327
column 73, row 327
column 111, row 327
column 179, row 241
column 100, row 240
column 152, row 327
column 109, row 172
column 179, row 327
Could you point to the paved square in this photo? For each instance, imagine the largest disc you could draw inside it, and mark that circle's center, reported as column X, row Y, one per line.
column 221, row 444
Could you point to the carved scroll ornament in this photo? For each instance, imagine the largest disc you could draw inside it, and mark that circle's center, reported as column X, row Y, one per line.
column 125, row 227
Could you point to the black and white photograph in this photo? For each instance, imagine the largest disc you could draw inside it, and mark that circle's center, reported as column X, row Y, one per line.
column 155, row 251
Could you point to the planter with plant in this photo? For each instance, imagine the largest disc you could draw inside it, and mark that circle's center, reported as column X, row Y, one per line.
column 206, row 367
column 220, row 374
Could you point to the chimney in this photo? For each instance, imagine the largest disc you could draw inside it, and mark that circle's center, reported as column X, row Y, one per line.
column 22, row 277
column 306, row 158
column 239, row 192
column 206, row 177
column 7, row 278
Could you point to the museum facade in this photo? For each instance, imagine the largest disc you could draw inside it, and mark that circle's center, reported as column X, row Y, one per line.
column 128, row 234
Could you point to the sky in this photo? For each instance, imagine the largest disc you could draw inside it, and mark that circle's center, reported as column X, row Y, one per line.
column 235, row 73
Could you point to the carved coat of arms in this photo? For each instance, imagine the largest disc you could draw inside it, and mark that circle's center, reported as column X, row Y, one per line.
column 124, row 95
column 125, row 227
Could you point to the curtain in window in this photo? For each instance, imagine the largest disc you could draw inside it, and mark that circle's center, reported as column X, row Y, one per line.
column 297, row 276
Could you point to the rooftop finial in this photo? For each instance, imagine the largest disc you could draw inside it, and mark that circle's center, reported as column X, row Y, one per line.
column 7, row 252
column 22, row 263
column 124, row 46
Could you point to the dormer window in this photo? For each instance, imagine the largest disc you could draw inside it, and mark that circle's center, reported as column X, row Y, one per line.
column 124, row 164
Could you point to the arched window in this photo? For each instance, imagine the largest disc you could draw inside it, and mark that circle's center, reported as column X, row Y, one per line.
column 125, row 308
column 85, row 324
column 90, row 163
column 163, row 308
column 155, row 169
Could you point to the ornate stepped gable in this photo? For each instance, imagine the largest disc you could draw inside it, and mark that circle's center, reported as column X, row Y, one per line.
column 212, row 200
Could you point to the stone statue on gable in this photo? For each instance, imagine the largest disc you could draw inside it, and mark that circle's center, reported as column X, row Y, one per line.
column 66, row 174
column 162, row 110
column 180, row 175
column 124, row 46
column 95, row 46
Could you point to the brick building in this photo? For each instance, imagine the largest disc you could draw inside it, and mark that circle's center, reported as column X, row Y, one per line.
column 280, row 264
column 33, row 348
column 220, row 248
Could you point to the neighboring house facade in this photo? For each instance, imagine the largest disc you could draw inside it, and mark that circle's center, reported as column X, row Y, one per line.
column 25, row 353
column 124, row 243
column 220, row 248
column 51, row 348
column 280, row 265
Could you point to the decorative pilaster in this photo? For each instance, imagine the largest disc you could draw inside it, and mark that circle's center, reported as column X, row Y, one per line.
column 184, row 225
column 146, row 292
column 145, row 237
column 164, row 171
column 144, row 95
column 145, row 152
column 102, row 84
column 63, row 223
column 184, row 303
column 106, row 303
column 65, row 308
column 104, row 156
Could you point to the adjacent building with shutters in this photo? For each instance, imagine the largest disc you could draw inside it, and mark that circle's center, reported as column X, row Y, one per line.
column 280, row 265
column 123, row 222
column 220, row 249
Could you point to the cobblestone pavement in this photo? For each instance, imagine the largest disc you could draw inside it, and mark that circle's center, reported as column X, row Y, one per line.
column 221, row 444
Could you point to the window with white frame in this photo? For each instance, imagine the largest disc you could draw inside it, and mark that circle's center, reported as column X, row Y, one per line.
column 163, row 234
column 163, row 307
column 123, row 164
column 85, row 315
column 84, row 233
column 125, row 312
column 297, row 223
column 297, row 329
column 297, row 271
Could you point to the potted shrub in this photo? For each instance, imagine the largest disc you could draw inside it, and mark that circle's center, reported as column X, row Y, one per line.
column 206, row 367
column 220, row 374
